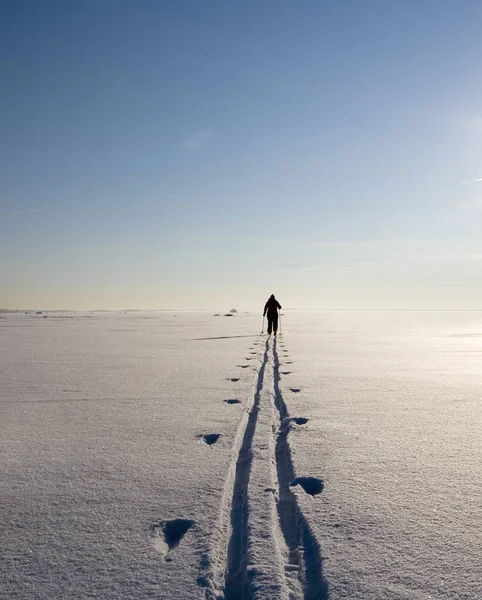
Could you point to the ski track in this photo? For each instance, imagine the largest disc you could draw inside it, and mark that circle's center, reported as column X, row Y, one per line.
column 227, row 539
column 263, row 547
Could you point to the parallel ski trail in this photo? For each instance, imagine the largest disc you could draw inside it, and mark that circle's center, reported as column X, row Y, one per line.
column 215, row 566
column 263, row 547
column 236, row 585
column 304, row 549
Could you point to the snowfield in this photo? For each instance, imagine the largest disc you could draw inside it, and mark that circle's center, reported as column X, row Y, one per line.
column 176, row 455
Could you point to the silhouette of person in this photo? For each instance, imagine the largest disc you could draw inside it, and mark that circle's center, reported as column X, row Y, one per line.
column 271, row 308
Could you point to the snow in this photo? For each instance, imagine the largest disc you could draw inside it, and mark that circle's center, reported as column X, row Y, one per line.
column 125, row 473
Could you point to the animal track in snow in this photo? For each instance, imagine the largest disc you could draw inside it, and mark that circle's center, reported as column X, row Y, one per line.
column 311, row 485
column 166, row 535
column 210, row 438
column 233, row 401
column 295, row 390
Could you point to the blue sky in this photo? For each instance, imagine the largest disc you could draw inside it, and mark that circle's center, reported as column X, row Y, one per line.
column 188, row 154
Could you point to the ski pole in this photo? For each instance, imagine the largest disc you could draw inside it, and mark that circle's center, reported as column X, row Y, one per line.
column 262, row 326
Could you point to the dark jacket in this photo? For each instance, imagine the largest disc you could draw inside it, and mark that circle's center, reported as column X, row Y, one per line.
column 271, row 307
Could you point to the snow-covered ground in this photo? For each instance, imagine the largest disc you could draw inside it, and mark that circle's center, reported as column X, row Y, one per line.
column 112, row 485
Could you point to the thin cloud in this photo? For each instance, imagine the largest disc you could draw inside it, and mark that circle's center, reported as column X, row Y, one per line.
column 26, row 211
column 301, row 270
column 471, row 181
column 198, row 139
column 349, row 262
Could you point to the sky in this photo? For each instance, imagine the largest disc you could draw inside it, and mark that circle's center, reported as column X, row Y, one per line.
column 206, row 154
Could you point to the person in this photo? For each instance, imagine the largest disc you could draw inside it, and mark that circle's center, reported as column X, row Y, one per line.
column 271, row 309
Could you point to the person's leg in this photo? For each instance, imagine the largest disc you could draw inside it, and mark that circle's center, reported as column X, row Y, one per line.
column 270, row 325
column 275, row 324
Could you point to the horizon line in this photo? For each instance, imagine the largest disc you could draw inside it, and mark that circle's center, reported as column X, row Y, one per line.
column 241, row 311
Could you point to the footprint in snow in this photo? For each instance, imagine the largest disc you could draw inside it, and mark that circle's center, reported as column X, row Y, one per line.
column 243, row 366
column 166, row 535
column 252, row 352
column 295, row 390
column 300, row 420
column 210, row 438
column 233, row 379
column 311, row 485
column 285, row 372
column 233, row 401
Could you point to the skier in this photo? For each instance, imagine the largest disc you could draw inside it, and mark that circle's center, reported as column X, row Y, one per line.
column 271, row 307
